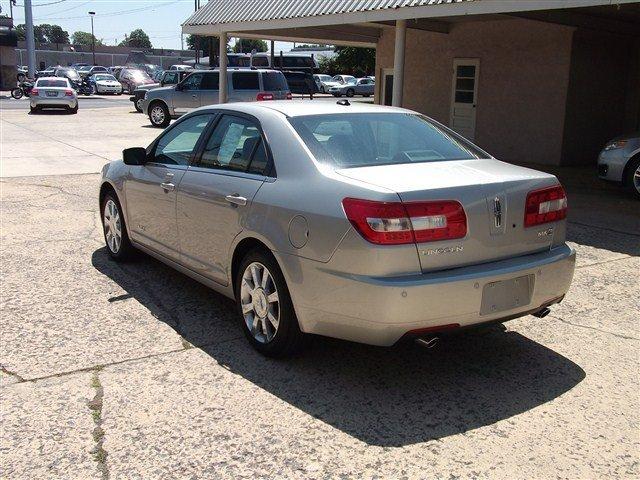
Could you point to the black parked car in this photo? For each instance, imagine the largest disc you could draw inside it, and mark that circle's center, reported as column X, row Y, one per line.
column 300, row 82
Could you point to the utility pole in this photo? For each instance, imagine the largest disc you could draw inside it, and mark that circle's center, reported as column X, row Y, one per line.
column 93, row 39
column 31, row 44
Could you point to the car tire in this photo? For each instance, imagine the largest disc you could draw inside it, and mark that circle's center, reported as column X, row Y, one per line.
column 94, row 90
column 632, row 176
column 74, row 110
column 160, row 120
column 285, row 339
column 350, row 92
column 34, row 109
column 138, row 105
column 119, row 248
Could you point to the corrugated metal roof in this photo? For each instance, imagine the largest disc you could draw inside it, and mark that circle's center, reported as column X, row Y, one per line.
column 232, row 11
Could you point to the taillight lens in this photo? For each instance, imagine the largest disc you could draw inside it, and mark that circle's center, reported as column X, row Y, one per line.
column 68, row 93
column 397, row 223
column 34, row 92
column 264, row 96
column 545, row 205
column 289, row 96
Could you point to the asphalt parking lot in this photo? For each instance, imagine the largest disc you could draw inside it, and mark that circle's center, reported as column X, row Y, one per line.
column 134, row 371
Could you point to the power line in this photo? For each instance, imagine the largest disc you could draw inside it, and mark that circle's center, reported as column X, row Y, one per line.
column 114, row 14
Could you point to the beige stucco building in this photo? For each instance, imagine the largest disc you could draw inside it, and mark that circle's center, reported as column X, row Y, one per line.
column 531, row 81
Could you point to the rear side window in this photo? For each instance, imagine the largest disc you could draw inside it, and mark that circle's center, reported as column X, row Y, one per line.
column 98, row 69
column 235, row 144
column 211, row 81
column 245, row 81
column 274, row 81
column 260, row 62
column 52, row 83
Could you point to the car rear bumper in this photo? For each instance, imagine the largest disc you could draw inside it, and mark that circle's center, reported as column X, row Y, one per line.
column 60, row 102
column 380, row 311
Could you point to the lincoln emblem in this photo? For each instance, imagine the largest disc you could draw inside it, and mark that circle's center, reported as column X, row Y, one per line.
column 497, row 212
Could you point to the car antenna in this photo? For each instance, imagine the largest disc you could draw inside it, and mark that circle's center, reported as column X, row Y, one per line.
column 344, row 103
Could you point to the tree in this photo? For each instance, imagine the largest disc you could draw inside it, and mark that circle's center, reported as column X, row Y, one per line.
column 84, row 38
column 355, row 60
column 137, row 39
column 247, row 45
column 204, row 44
column 44, row 33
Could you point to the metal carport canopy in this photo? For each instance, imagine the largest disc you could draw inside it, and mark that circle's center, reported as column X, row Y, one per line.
column 232, row 16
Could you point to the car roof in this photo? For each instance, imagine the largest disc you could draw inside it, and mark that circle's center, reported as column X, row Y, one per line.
column 299, row 108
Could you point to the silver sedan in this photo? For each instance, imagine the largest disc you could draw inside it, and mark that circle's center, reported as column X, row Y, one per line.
column 53, row 92
column 360, row 222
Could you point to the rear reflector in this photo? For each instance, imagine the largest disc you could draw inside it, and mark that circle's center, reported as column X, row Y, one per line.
column 545, row 205
column 397, row 223
column 264, row 96
column 289, row 96
column 34, row 92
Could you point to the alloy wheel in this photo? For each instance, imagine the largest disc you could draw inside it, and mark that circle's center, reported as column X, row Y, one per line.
column 636, row 179
column 157, row 115
column 112, row 226
column 139, row 104
column 260, row 302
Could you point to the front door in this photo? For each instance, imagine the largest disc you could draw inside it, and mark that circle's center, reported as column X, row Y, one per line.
column 189, row 93
column 151, row 188
column 215, row 195
column 464, row 96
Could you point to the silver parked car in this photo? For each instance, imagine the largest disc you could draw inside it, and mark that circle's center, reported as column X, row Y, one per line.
column 324, row 82
column 619, row 161
column 354, row 86
column 201, row 88
column 361, row 222
column 53, row 92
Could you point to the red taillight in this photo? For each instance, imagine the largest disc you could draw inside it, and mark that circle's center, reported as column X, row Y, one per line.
column 34, row 92
column 545, row 205
column 264, row 96
column 289, row 96
column 397, row 223
column 68, row 93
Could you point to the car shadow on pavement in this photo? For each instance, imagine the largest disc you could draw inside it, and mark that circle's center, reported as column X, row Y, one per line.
column 382, row 396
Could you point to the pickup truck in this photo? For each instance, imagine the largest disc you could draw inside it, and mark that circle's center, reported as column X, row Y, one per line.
column 169, row 77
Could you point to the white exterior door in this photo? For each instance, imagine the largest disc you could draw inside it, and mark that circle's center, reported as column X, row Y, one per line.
column 464, row 96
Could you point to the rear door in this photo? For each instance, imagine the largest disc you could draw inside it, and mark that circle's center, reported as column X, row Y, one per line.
column 210, row 89
column 151, row 188
column 215, row 195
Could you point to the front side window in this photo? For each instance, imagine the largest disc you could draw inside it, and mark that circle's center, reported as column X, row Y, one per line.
column 192, row 82
column 366, row 139
column 171, row 78
column 176, row 146
column 245, row 81
column 235, row 144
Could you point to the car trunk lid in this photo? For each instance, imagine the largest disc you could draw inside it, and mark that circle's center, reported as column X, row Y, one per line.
column 493, row 195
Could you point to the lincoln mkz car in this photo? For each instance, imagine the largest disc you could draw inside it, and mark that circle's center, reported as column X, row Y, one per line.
column 361, row 222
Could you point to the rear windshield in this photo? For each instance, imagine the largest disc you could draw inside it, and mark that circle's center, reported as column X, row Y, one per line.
column 366, row 139
column 274, row 81
column 52, row 83
column 245, row 81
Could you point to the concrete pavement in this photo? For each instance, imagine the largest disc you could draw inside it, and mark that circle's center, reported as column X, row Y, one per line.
column 134, row 371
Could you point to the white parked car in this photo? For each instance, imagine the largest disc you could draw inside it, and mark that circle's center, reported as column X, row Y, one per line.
column 53, row 92
column 106, row 83
column 324, row 82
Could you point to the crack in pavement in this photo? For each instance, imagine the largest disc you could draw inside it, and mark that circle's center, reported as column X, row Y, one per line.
column 44, row 185
column 606, row 332
column 121, row 362
column 95, row 405
column 604, row 228
column 626, row 257
column 3, row 369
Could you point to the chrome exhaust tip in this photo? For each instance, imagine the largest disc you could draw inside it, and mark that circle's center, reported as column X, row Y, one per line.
column 427, row 343
column 543, row 312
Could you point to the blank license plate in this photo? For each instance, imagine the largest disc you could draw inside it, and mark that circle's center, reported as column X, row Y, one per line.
column 506, row 294
column 52, row 94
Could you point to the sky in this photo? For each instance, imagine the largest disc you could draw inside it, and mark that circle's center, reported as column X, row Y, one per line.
column 161, row 19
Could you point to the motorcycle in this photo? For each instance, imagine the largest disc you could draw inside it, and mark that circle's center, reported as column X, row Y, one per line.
column 23, row 89
column 83, row 86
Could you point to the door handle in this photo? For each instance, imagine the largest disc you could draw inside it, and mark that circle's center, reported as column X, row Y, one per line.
column 168, row 186
column 236, row 199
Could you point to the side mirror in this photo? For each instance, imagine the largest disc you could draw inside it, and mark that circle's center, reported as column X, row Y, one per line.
column 134, row 156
